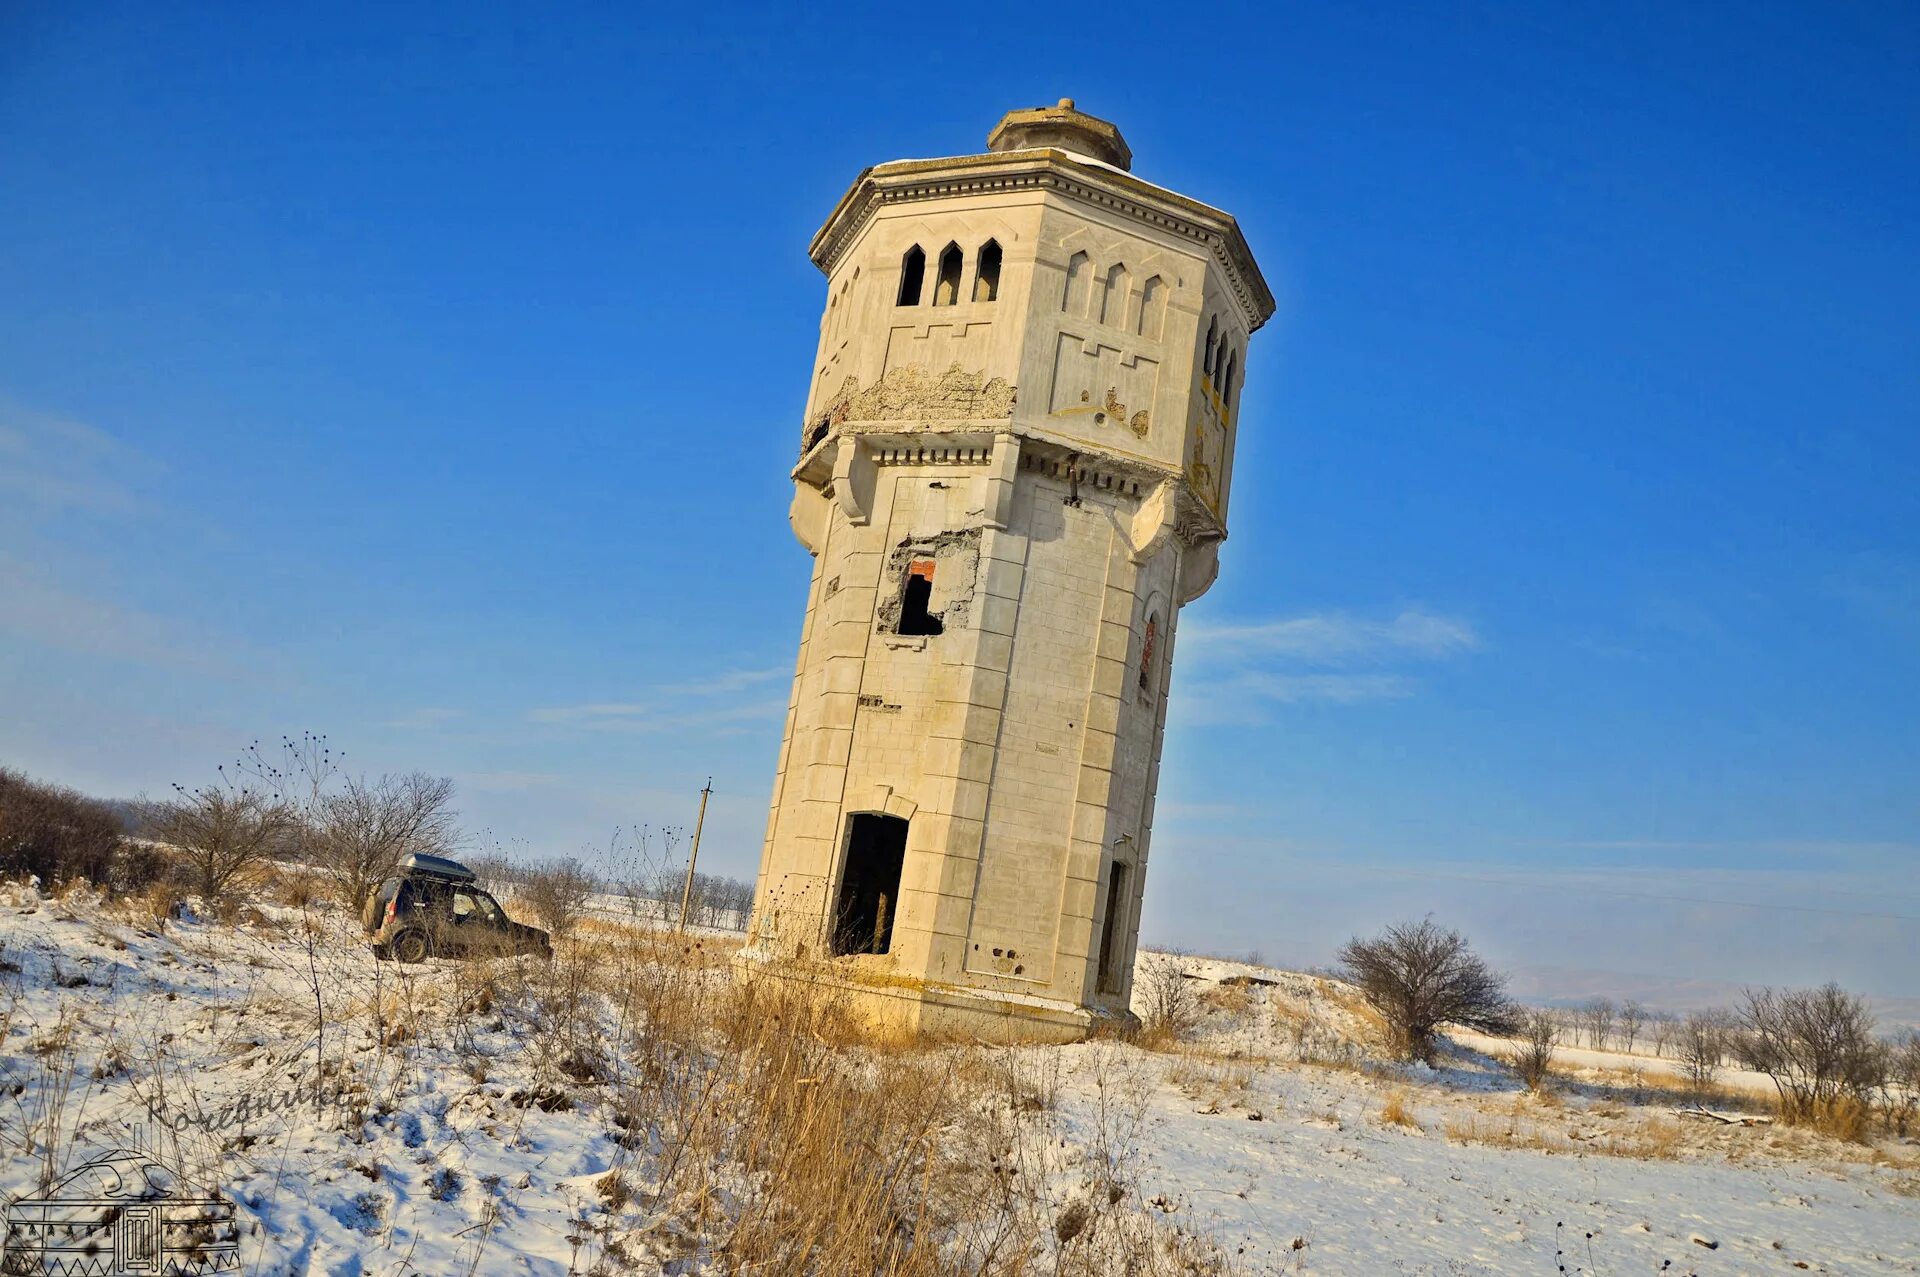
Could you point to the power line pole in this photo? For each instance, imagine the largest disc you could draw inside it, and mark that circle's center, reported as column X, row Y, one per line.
column 693, row 856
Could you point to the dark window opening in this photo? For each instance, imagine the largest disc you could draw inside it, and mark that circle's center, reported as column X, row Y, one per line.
column 870, row 884
column 1213, row 338
column 913, row 270
column 1146, row 654
column 918, row 593
column 1110, row 928
column 1226, row 378
column 986, row 276
column 947, row 291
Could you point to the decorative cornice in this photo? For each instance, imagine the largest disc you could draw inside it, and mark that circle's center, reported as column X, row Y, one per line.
column 905, row 181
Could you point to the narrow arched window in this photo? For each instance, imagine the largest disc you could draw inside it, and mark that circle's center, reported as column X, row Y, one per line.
column 946, row 288
column 1153, row 308
column 1113, row 298
column 1146, row 652
column 1079, row 275
column 1226, row 378
column 1213, row 339
column 986, row 275
column 913, row 271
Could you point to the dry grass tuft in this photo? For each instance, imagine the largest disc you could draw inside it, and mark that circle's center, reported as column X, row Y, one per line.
column 1393, row 1112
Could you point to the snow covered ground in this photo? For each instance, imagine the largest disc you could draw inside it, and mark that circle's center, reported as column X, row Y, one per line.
column 458, row 1138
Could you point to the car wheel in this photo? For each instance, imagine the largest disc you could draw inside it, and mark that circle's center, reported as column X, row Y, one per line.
column 411, row 947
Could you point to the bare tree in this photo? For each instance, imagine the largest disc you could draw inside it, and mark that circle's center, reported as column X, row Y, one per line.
column 1816, row 1044
column 1700, row 1039
column 226, row 833
column 363, row 830
column 1538, row 1032
column 1420, row 976
column 1597, row 1016
column 1632, row 1017
column 557, row 892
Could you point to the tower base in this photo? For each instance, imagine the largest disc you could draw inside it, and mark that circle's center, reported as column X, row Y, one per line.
column 904, row 1008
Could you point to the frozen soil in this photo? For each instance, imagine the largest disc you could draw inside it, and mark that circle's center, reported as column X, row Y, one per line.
column 1275, row 1130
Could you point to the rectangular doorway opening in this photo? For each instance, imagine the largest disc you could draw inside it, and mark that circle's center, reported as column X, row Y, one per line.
column 869, row 884
column 1110, row 938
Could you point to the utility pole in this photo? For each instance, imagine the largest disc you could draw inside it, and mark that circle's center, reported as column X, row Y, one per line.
column 693, row 857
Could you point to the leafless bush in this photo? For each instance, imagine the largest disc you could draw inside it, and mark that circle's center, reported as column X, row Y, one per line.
column 1171, row 1001
column 1597, row 1018
column 58, row 836
column 1538, row 1032
column 1817, row 1046
column 494, row 872
column 362, row 831
column 1699, row 1042
column 557, row 892
column 1900, row 1081
column 225, row 833
column 1420, row 976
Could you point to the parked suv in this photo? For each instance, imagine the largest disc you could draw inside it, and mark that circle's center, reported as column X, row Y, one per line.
column 432, row 909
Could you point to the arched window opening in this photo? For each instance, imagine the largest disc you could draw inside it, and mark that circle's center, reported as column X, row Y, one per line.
column 1113, row 299
column 916, row 596
column 1153, row 308
column 1226, row 378
column 986, row 275
column 1146, row 653
column 946, row 289
column 1213, row 339
column 1079, row 280
column 869, row 895
column 913, row 271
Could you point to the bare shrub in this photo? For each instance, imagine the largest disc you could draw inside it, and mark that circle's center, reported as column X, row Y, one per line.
column 1538, row 1033
column 1900, row 1081
column 55, row 834
column 1699, row 1042
column 362, row 831
column 225, row 833
column 557, row 892
column 1817, row 1046
column 1419, row 976
column 1172, row 1004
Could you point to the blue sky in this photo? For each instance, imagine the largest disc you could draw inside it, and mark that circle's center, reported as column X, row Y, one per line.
column 429, row 378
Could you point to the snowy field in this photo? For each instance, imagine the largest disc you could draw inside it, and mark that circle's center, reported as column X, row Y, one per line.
column 458, row 1136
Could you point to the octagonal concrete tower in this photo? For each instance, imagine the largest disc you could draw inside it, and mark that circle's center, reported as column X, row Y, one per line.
column 1013, row 472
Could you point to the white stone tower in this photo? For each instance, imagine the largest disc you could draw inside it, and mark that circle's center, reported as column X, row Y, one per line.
column 1012, row 475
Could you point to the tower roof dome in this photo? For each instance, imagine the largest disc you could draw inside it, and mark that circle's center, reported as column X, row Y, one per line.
column 1064, row 127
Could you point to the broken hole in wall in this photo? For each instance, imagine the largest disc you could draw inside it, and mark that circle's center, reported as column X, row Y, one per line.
column 928, row 584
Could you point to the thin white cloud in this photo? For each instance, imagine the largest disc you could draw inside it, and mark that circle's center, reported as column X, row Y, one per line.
column 706, row 703
column 54, row 464
column 1338, row 638
column 41, row 611
column 1238, row 672
column 653, row 718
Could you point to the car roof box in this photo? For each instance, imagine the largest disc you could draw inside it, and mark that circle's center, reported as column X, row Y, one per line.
column 436, row 867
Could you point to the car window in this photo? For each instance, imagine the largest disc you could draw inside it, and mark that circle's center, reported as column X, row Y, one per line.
column 465, row 906
column 489, row 907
